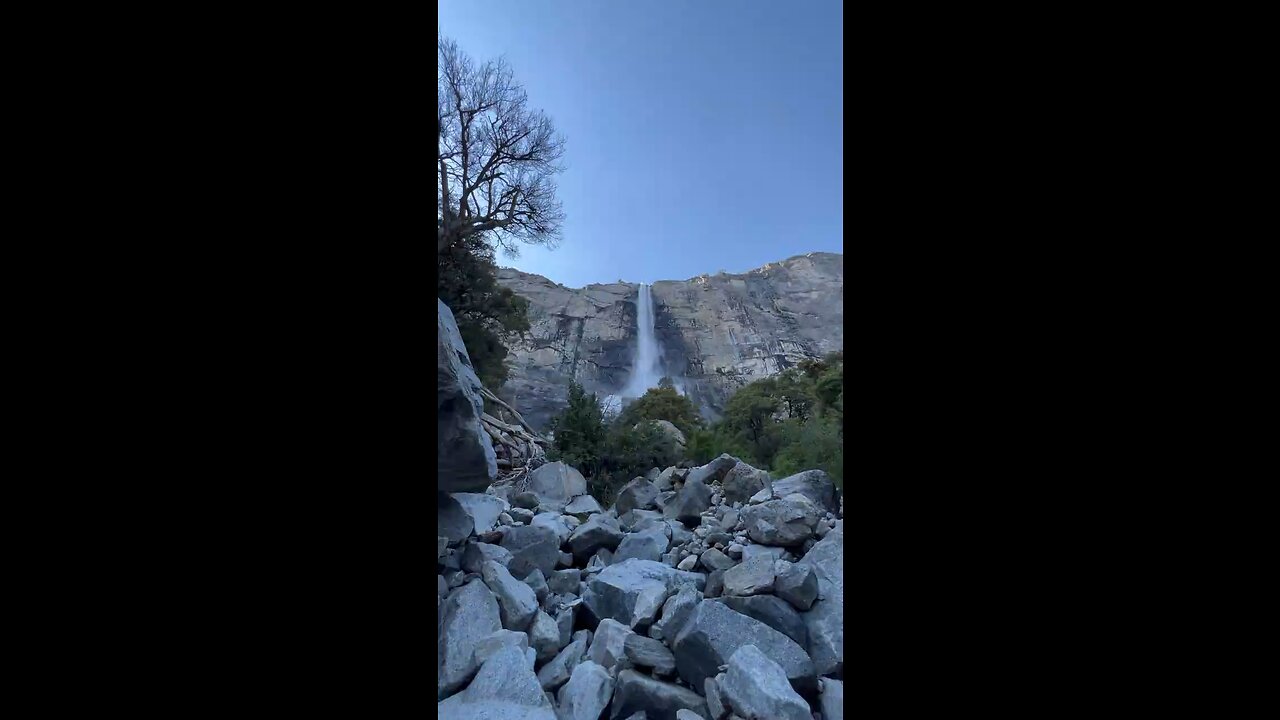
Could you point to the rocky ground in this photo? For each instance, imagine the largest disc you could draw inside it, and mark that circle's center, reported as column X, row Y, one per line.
column 707, row 592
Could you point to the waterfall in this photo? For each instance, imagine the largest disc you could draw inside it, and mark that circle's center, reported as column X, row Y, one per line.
column 645, row 370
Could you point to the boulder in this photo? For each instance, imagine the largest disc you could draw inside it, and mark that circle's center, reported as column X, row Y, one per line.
column 505, row 678
column 482, row 508
column 452, row 521
column 647, row 652
column 752, row 577
column 557, row 482
column 517, row 603
column 715, row 702
column 564, row 581
column 521, row 516
column 756, row 687
column 825, row 620
column 656, row 699
column 712, row 472
column 639, row 494
column 553, row 522
column 714, row 632
column 633, row 591
column 715, row 584
column 608, row 645
column 557, row 672
column 468, row 615
column 648, row 544
column 751, row 552
column 774, row 612
column 742, row 481
column 831, row 700
column 532, row 547
column 490, row 644
column 688, row 563
column 564, row 623
column 675, row 611
column 713, row 560
column 465, row 461
column 813, row 484
column 671, row 431
column 536, row 581
column 664, row 479
column 475, row 554
column 688, row 504
column 797, row 584
column 785, row 522
column 599, row 531
column 526, row 500
column 586, row 694
column 544, row 636
column 582, row 506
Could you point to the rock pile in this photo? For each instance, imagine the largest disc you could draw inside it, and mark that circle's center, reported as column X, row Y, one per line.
column 709, row 592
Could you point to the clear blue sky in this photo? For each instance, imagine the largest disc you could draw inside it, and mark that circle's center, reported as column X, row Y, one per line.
column 702, row 135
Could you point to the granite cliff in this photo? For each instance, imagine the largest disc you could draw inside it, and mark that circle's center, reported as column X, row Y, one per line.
column 716, row 332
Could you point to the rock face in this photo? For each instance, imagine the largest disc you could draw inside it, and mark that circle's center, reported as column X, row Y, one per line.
column 716, row 332
column 465, row 461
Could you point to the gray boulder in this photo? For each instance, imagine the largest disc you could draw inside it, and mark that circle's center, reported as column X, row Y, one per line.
column 713, row 560
column 644, row 651
column 452, row 521
column 468, row 615
column 756, row 687
column 714, row 632
column 553, row 522
column 504, row 679
column 751, row 552
column 688, row 504
column 491, row 644
column 586, row 694
column 825, row 620
column 785, row 522
column 714, row 471
column 517, row 603
column 526, row 500
column 564, row 581
column 532, row 547
column 582, row 506
column 465, row 461
column 633, row 591
column 648, row 544
column 475, row 554
column 639, row 494
column 636, row 519
column 715, row 584
column 813, row 484
column 599, row 531
column 797, row 584
column 715, row 702
column 774, row 612
column 752, row 577
column 608, row 645
column 482, row 508
column 742, row 481
column 656, row 699
column 536, row 581
column 544, row 636
column 557, row 481
column 557, row 672
column 675, row 611
column 831, row 700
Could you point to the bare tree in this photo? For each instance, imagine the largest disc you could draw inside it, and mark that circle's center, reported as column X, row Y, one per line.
column 497, row 157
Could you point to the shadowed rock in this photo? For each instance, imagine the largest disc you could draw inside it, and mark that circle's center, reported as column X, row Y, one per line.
column 714, row 632
column 756, row 687
column 465, row 460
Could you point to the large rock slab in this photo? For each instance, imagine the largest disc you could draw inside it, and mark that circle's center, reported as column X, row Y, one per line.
column 742, row 481
column 756, row 687
column 532, row 547
column 599, row 531
column 714, row 471
column 582, row 506
column 752, row 577
column 825, row 621
column 656, row 699
column 465, row 461
column 832, row 699
column 639, row 494
column 482, row 508
column 553, row 522
column 504, row 679
column 476, row 553
column 772, row 611
column 557, row 482
column 452, row 521
column 813, row 484
column 785, row 523
column 714, row 632
column 491, row 644
column 647, row 544
column 675, row 611
column 797, row 584
column 688, row 504
column 557, row 672
column 517, row 603
column 544, row 636
column 469, row 614
column 586, row 694
column 647, row 652
column 633, row 591
column 608, row 645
